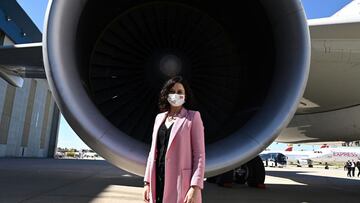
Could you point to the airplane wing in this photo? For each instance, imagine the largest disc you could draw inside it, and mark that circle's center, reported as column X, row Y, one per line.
column 331, row 104
column 21, row 61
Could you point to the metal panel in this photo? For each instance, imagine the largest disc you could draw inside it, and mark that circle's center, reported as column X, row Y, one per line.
column 6, row 114
column 29, row 110
column 44, row 125
column 17, row 24
column 53, row 137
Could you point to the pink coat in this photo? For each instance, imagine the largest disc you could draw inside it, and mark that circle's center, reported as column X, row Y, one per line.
column 184, row 159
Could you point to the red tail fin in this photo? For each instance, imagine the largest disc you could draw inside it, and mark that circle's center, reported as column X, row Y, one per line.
column 324, row 146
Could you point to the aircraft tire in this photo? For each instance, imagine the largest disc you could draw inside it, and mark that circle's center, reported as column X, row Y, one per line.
column 241, row 174
column 256, row 172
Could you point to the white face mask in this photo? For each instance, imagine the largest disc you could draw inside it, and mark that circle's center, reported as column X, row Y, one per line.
column 176, row 99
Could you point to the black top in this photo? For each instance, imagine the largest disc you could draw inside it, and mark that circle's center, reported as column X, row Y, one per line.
column 162, row 143
column 161, row 146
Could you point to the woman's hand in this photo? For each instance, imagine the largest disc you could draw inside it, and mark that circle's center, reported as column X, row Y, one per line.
column 146, row 193
column 191, row 195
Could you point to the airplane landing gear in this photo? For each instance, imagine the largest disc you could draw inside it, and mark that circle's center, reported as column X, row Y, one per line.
column 252, row 173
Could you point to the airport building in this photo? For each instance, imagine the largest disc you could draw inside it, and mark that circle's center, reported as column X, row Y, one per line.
column 29, row 117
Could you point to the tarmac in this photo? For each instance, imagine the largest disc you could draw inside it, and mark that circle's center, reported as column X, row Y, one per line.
column 61, row 180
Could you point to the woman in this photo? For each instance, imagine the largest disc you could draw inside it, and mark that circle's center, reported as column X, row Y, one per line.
column 176, row 163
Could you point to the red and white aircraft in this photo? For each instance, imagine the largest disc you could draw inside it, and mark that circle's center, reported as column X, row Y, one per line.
column 335, row 155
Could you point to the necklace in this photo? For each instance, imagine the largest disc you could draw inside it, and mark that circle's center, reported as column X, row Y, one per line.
column 172, row 117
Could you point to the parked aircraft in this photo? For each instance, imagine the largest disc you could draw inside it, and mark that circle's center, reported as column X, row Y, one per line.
column 337, row 155
column 325, row 154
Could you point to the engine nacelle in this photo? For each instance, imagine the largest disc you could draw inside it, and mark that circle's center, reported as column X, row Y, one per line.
column 247, row 64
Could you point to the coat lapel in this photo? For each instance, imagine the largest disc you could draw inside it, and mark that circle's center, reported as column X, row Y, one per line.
column 156, row 130
column 176, row 126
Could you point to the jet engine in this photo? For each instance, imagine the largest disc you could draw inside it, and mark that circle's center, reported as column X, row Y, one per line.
column 247, row 64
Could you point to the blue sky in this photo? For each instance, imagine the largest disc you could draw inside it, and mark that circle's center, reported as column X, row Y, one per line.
column 322, row 8
column 67, row 137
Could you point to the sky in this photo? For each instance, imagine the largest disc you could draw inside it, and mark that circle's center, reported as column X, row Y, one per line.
column 68, row 138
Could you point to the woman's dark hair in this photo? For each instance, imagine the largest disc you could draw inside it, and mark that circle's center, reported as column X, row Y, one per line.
column 164, row 104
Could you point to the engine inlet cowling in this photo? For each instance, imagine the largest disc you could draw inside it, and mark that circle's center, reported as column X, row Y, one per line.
column 247, row 67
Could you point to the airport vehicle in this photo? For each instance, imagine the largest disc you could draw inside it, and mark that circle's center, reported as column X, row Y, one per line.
column 300, row 158
column 90, row 155
column 248, row 66
column 273, row 159
column 59, row 155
